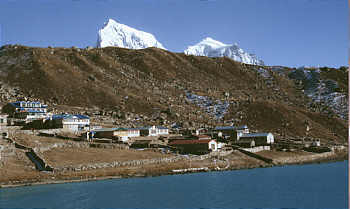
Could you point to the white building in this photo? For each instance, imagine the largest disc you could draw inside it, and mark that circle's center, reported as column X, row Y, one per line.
column 154, row 131
column 122, row 134
column 72, row 123
column 258, row 138
column 27, row 110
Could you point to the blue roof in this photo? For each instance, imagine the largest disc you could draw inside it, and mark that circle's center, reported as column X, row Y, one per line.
column 15, row 104
column 112, row 129
column 35, row 111
column 255, row 135
column 82, row 116
column 231, row 127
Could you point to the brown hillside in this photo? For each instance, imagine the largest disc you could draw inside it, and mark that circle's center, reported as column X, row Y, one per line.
column 153, row 82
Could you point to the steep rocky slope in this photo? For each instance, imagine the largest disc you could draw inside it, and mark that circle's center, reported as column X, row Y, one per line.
column 156, row 86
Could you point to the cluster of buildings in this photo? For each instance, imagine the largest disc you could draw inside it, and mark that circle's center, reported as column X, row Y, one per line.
column 36, row 116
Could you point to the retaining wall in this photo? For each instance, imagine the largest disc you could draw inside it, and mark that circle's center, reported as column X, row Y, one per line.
column 120, row 164
column 71, row 144
column 259, row 157
column 257, row 149
column 305, row 158
column 140, row 162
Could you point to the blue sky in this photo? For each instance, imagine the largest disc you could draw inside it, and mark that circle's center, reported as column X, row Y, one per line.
column 281, row 32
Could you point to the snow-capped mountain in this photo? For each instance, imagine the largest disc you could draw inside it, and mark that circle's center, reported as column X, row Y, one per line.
column 120, row 35
column 212, row 48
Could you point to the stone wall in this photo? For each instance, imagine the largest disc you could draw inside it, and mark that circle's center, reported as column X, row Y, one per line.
column 6, row 150
column 120, row 164
column 302, row 159
column 71, row 144
column 140, row 162
column 257, row 149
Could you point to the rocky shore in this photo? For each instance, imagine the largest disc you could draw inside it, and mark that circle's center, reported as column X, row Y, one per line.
column 168, row 168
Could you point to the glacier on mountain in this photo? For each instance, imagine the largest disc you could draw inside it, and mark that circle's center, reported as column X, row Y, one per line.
column 120, row 35
column 212, row 48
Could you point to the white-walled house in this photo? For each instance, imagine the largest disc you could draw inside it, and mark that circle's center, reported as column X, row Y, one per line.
column 121, row 133
column 26, row 110
column 231, row 131
column 195, row 146
column 154, row 131
column 258, row 138
column 72, row 123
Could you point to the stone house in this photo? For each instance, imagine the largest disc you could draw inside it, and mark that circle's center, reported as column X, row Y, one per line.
column 233, row 132
column 122, row 134
column 71, row 123
column 26, row 110
column 3, row 120
column 259, row 139
column 195, row 146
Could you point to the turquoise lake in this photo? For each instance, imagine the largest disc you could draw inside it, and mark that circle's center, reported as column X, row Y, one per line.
column 295, row 186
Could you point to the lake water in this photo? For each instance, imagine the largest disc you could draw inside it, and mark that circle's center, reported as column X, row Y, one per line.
column 297, row 186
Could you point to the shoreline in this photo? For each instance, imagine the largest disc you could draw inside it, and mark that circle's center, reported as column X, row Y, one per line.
column 333, row 159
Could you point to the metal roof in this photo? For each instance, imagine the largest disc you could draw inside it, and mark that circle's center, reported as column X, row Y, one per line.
column 218, row 128
column 255, row 135
column 195, row 141
column 68, row 116
column 114, row 129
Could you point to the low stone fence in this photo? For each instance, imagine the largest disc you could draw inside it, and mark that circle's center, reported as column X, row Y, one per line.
column 120, row 164
column 259, row 157
column 67, row 144
column 257, row 149
column 139, row 162
column 5, row 152
column 71, row 144
column 302, row 159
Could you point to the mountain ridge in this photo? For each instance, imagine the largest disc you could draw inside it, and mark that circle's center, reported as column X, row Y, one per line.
column 151, row 86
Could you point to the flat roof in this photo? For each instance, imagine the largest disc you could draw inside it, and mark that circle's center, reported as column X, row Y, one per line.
column 195, row 141
column 231, row 127
column 255, row 135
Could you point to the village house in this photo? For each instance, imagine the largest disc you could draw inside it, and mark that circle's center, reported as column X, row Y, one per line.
column 195, row 146
column 201, row 131
column 3, row 126
column 3, row 120
column 233, row 132
column 256, row 139
column 71, row 123
column 25, row 110
column 201, row 137
column 154, row 131
column 122, row 134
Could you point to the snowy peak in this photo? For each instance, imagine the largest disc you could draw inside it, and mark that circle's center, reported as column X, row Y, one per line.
column 212, row 48
column 212, row 43
column 120, row 35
